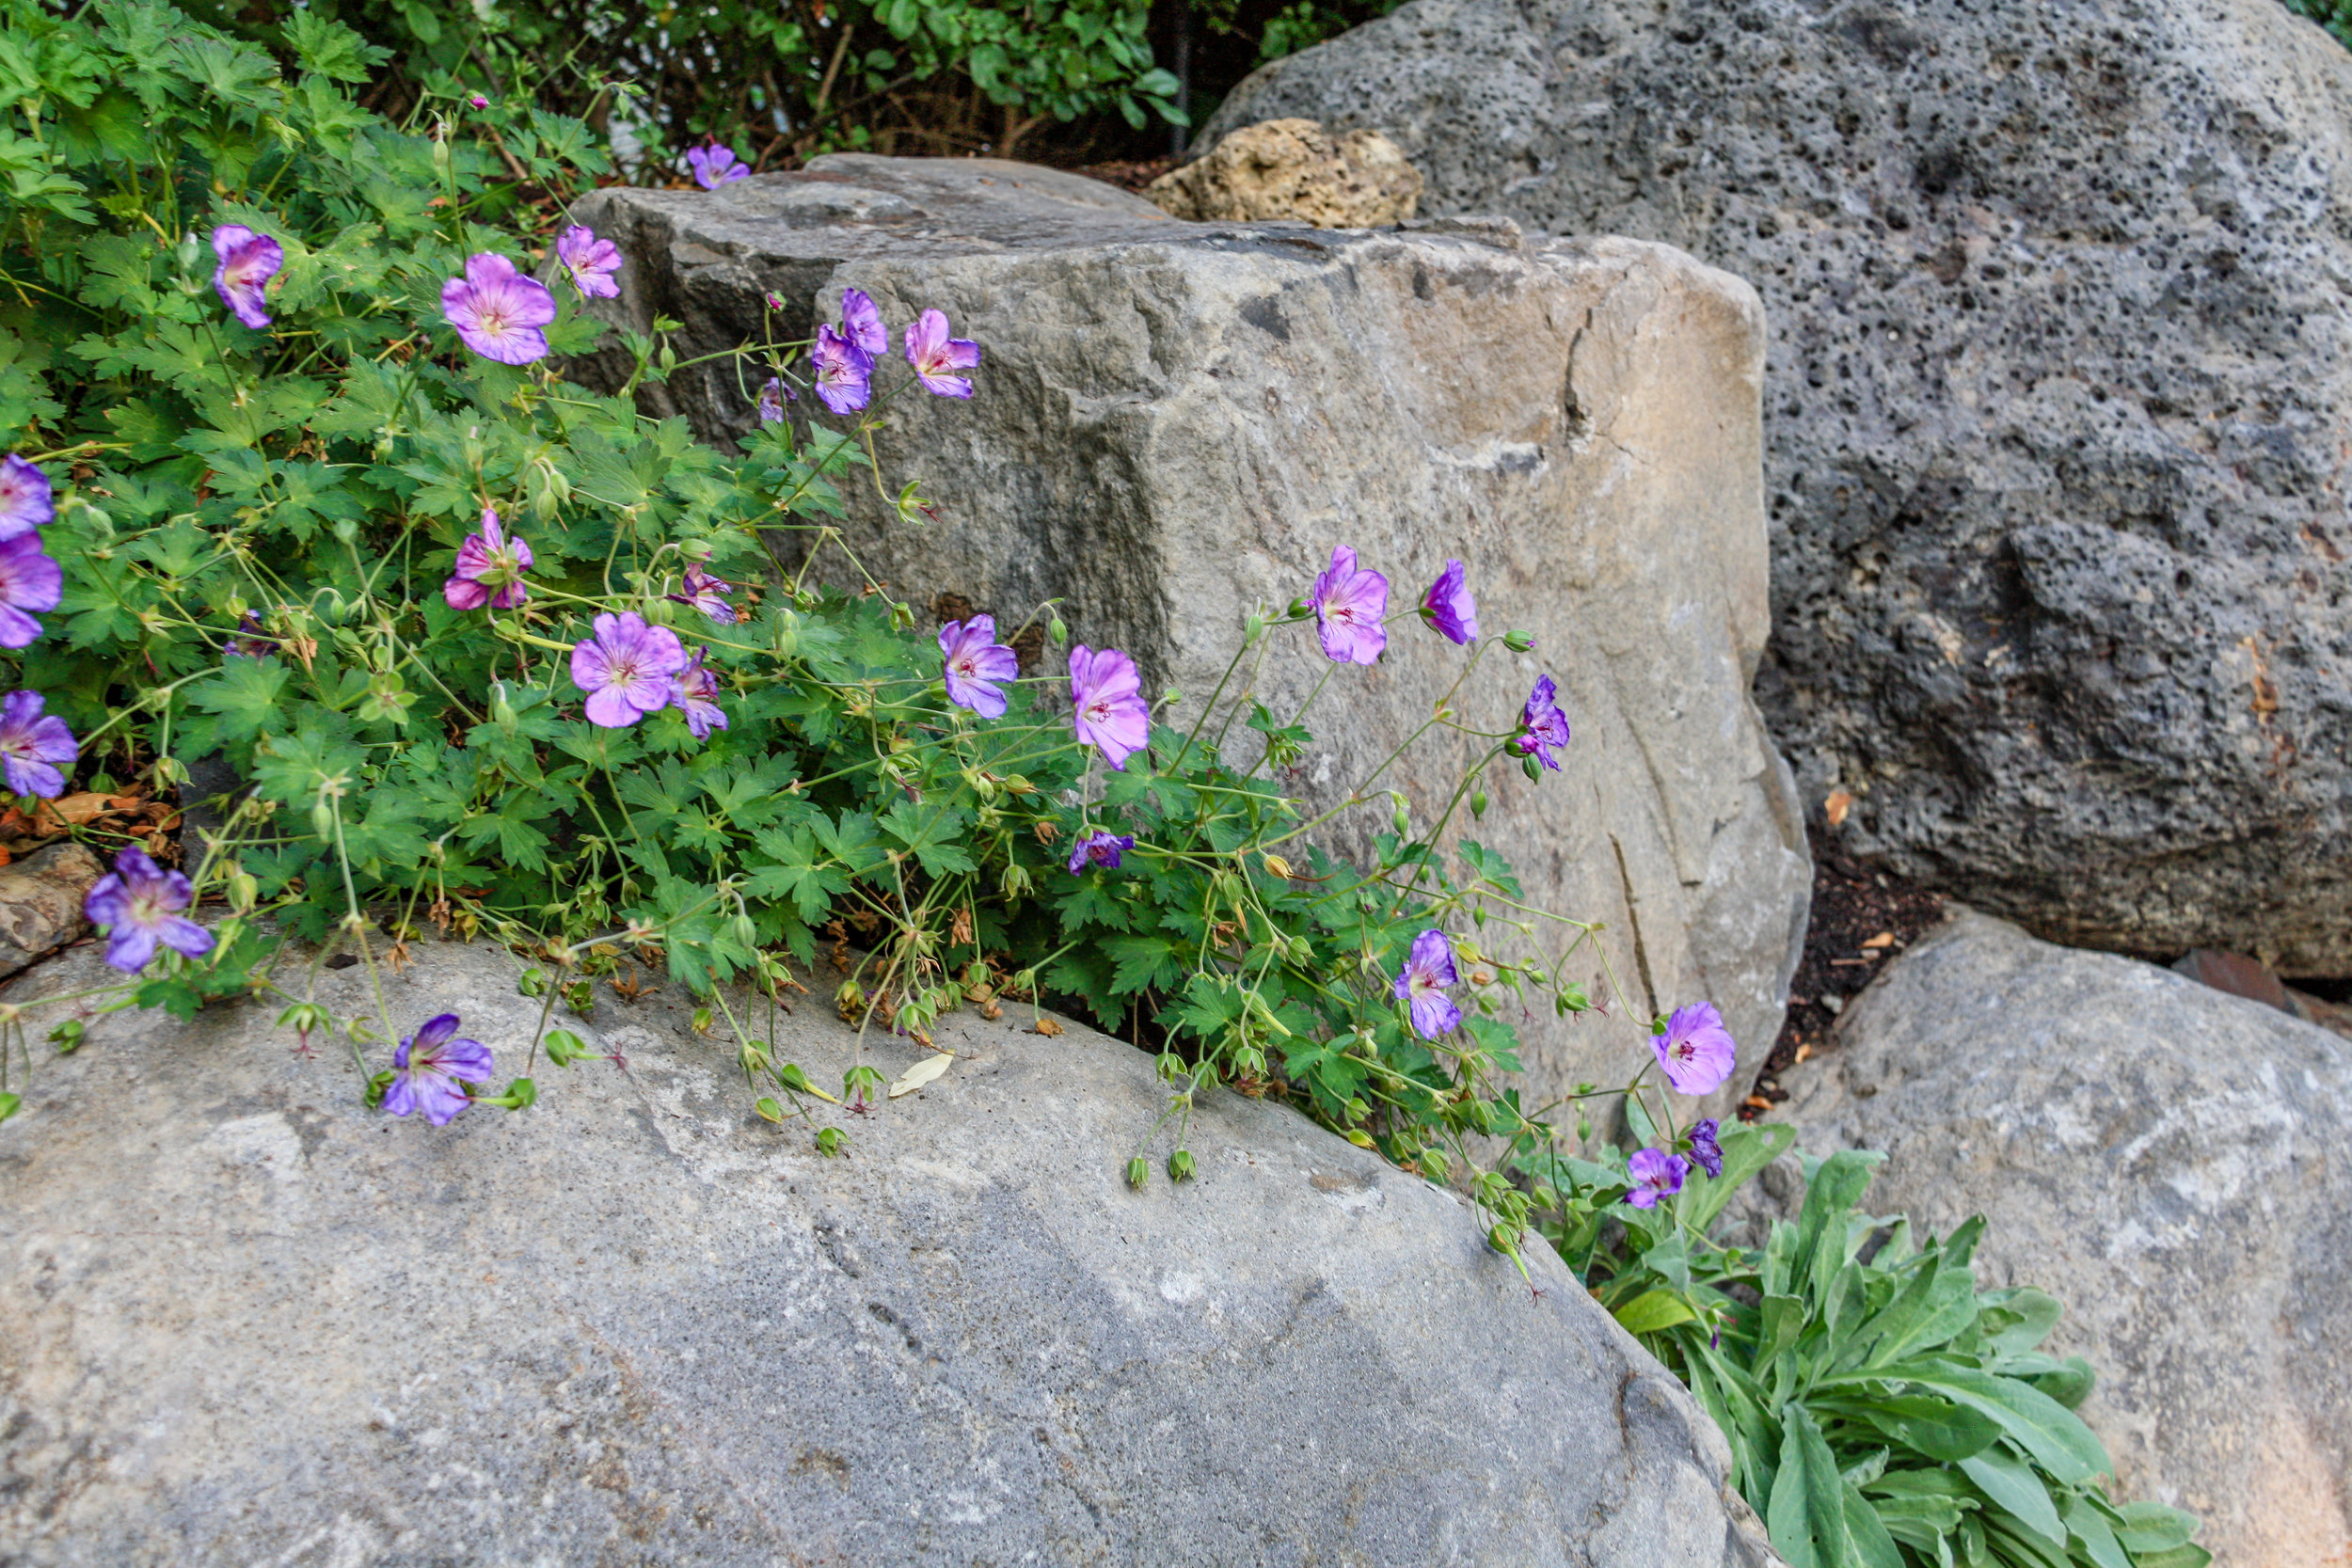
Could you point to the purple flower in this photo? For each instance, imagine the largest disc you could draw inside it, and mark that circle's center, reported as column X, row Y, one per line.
column 1542, row 728
column 772, row 399
column 1348, row 607
column 479, row 102
column 591, row 261
column 1422, row 984
column 498, row 312
column 844, row 371
column 33, row 744
column 775, row 301
column 1111, row 713
column 706, row 594
column 431, row 1070
column 698, row 697
column 937, row 357
column 1704, row 1150
column 627, row 669
column 1696, row 1050
column 25, row 503
column 1656, row 1174
column 1100, row 848
column 861, row 323
column 1448, row 605
column 250, row 643
column 28, row 580
column 715, row 164
column 490, row 569
column 975, row 660
column 247, row 261
column 139, row 902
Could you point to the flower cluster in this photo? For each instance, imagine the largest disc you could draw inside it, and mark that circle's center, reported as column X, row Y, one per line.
column 844, row 358
column 1696, row 1054
column 35, row 747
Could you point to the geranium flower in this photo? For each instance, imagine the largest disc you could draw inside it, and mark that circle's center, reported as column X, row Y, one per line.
column 34, row 746
column 479, row 102
column 431, row 1070
column 1656, row 1174
column 845, row 372
column 698, row 697
column 498, row 312
column 1348, row 607
column 1422, row 985
column 1542, row 728
column 715, row 164
column 1705, row 1148
column 772, row 398
column 139, row 904
column 1448, row 605
column 861, row 323
column 1696, row 1050
column 1100, row 848
column 1111, row 712
column 29, row 581
column 937, row 357
column 706, row 594
column 247, row 261
column 26, row 502
column 489, row 570
column 628, row 669
column 975, row 660
column 592, row 262
column 250, row 643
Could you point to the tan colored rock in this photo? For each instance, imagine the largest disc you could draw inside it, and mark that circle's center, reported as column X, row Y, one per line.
column 40, row 902
column 1294, row 169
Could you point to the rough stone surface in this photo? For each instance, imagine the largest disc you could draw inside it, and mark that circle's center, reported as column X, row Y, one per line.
column 2061, row 372
column 1175, row 421
column 1292, row 169
column 243, row 1319
column 2171, row 1162
column 40, row 902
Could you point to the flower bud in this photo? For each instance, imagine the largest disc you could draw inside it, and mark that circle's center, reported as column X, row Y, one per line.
column 244, row 892
column 1478, row 802
column 1253, row 628
column 1532, row 768
column 1277, row 867
column 1171, row 698
column 696, row 550
column 323, row 820
column 1517, row 641
column 1301, row 607
column 746, row 933
column 1057, row 630
column 1399, row 816
column 189, row 249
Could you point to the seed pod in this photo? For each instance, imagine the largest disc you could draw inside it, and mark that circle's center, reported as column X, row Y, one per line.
column 1179, row 1165
column 1138, row 1172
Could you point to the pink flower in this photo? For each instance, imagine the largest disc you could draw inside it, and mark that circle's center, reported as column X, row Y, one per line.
column 1111, row 713
column 628, row 669
column 861, row 323
column 490, row 569
column 937, row 357
column 498, row 312
column 1349, row 605
column 715, row 164
column 1696, row 1050
column 247, row 261
column 479, row 102
column 591, row 261
column 975, row 661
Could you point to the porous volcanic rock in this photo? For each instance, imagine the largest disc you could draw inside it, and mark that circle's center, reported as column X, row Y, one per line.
column 244, row 1320
column 2060, row 373
column 1291, row 169
column 40, row 902
column 1174, row 422
column 2171, row 1162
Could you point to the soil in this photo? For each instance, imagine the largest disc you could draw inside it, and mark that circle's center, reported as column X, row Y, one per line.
column 1860, row 918
column 1129, row 176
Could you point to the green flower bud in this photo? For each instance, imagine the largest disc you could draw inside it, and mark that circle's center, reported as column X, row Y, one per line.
column 1478, row 802
column 1400, row 815
column 1057, row 630
column 1517, row 641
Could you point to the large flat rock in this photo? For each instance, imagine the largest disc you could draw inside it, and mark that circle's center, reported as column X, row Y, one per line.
column 1176, row 421
column 243, row 1319
column 2059, row 377
column 2171, row 1162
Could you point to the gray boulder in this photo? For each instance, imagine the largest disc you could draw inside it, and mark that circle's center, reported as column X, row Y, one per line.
column 40, row 902
column 1176, row 421
column 2059, row 376
column 2172, row 1163
column 244, row 1320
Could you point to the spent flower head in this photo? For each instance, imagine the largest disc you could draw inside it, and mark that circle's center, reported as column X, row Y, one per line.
column 1448, row 605
column 29, row 581
column 1108, row 693
column 1422, row 986
column 974, row 661
column 431, row 1070
column 247, row 261
column 1349, row 605
column 1705, row 1147
column 591, row 262
column 26, row 502
column 937, row 358
column 138, row 903
column 628, row 669
column 1696, row 1050
column 498, row 312
column 489, row 569
column 34, row 746
column 1100, row 848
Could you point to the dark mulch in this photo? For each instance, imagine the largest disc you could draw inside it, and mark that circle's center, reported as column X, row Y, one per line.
column 1128, row 176
column 1860, row 918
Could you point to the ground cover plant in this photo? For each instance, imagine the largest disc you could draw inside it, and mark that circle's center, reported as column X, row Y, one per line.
column 295, row 493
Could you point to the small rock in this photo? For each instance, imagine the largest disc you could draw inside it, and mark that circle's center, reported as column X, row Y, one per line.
column 1293, row 169
column 40, row 902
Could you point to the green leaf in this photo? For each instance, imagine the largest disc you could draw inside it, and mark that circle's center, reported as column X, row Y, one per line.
column 1653, row 1311
column 2013, row 1485
column 248, row 696
column 2054, row 1435
column 1746, row 1150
